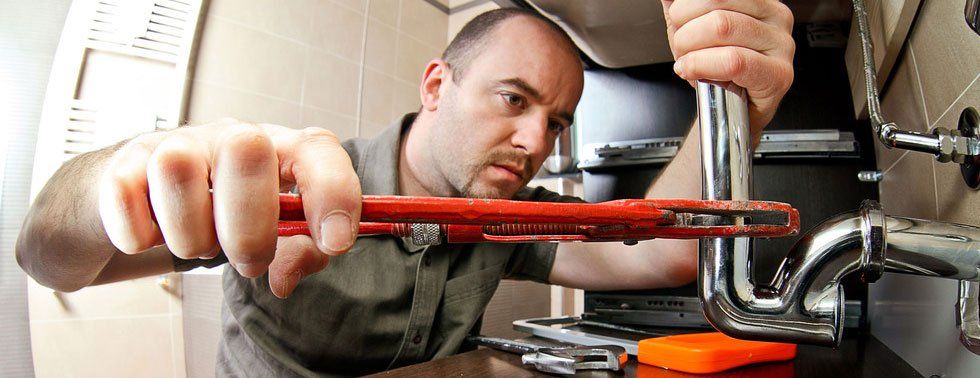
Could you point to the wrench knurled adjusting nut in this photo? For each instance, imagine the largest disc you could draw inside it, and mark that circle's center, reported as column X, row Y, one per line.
column 426, row 234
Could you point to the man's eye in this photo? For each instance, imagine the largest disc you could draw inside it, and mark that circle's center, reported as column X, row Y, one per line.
column 513, row 100
column 556, row 127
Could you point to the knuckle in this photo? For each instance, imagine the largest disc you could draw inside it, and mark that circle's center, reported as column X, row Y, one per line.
column 319, row 134
column 342, row 178
column 175, row 161
column 723, row 23
column 141, row 144
column 247, row 144
column 735, row 62
column 784, row 13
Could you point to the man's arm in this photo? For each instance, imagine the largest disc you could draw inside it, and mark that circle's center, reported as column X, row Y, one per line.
column 651, row 263
column 62, row 244
column 745, row 42
column 126, row 211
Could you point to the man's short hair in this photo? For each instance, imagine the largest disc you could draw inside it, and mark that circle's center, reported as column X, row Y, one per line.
column 472, row 38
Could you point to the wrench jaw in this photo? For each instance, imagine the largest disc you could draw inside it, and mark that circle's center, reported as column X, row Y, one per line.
column 569, row 360
column 557, row 363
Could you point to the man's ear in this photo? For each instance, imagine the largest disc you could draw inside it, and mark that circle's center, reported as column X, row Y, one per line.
column 436, row 74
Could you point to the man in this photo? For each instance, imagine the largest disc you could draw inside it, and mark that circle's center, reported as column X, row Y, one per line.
column 491, row 109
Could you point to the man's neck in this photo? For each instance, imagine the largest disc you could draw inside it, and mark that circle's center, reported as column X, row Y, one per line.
column 411, row 156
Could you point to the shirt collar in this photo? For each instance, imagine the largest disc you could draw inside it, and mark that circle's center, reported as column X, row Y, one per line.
column 378, row 166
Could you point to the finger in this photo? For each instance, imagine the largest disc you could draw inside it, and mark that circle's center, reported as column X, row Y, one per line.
column 123, row 204
column 726, row 28
column 325, row 177
column 769, row 11
column 296, row 258
column 245, row 180
column 177, row 174
column 762, row 76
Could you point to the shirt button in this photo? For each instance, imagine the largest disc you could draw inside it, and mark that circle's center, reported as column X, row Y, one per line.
column 428, row 260
column 417, row 339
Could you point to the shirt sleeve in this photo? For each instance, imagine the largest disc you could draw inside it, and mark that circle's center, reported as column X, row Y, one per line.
column 533, row 261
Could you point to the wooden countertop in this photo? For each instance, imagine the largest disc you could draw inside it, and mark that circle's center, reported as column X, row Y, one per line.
column 858, row 356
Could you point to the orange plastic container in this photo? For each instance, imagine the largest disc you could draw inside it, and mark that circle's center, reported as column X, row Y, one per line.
column 709, row 352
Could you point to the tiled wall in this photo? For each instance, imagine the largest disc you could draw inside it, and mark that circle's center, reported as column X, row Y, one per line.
column 127, row 329
column 351, row 66
column 935, row 79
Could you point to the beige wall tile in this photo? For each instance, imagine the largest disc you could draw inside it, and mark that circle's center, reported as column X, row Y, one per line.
column 379, row 51
column 456, row 3
column 411, row 58
column 424, row 22
column 958, row 202
column 331, row 83
column 909, row 189
column 385, row 11
column 119, row 347
column 139, row 297
column 357, row 5
column 210, row 102
column 376, row 98
column 405, row 99
column 902, row 103
column 236, row 56
column 343, row 126
column 337, row 29
column 290, row 19
column 946, row 52
column 371, row 129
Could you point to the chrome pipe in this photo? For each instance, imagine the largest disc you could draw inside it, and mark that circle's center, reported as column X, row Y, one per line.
column 930, row 248
column 732, row 303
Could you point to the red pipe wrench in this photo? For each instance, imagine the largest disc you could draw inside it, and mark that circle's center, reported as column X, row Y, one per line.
column 433, row 220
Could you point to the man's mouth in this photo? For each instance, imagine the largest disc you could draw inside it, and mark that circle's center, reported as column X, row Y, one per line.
column 512, row 170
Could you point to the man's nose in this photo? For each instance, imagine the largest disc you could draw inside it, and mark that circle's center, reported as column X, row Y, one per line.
column 532, row 135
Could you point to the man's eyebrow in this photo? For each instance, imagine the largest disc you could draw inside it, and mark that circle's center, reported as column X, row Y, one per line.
column 522, row 85
column 533, row 92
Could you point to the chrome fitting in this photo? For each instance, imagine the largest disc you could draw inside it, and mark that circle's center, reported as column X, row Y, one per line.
column 953, row 147
column 873, row 233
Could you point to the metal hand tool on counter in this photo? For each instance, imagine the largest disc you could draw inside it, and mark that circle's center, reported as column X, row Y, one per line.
column 434, row 220
column 560, row 360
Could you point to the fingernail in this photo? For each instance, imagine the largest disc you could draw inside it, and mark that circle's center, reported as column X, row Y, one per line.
column 289, row 284
column 679, row 67
column 212, row 253
column 337, row 231
column 251, row 270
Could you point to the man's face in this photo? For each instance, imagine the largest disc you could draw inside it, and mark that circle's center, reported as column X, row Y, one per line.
column 494, row 128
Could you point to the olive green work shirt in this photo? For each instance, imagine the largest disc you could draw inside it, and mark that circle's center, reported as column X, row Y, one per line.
column 387, row 303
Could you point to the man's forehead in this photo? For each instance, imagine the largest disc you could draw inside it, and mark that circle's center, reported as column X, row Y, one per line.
column 525, row 52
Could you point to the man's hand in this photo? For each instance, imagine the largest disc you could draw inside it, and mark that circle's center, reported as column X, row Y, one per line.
column 155, row 190
column 746, row 42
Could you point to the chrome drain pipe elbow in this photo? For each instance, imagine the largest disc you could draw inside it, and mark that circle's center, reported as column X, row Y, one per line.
column 804, row 304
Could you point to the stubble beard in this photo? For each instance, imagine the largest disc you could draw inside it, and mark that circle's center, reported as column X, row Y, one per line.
column 461, row 168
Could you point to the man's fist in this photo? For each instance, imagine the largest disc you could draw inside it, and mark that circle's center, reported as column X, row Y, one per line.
column 746, row 42
column 211, row 188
